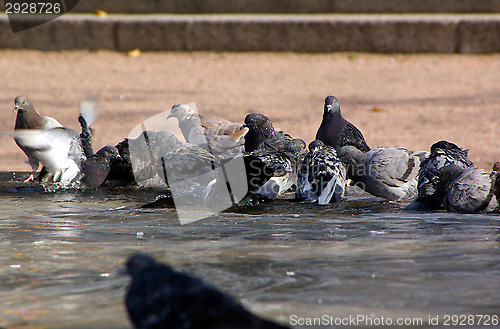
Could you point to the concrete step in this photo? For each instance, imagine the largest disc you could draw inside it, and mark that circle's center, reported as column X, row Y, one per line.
column 285, row 6
column 405, row 33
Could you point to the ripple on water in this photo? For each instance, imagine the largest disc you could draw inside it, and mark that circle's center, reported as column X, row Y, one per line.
column 60, row 253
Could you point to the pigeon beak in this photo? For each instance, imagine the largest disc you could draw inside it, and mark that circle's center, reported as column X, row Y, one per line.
column 328, row 108
column 244, row 126
column 15, row 108
column 170, row 115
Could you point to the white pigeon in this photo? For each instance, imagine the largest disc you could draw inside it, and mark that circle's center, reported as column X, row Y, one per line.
column 46, row 141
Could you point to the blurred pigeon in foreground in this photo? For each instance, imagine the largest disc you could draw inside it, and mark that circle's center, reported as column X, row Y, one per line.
column 389, row 173
column 322, row 176
column 28, row 118
column 97, row 167
column 337, row 131
column 260, row 129
column 466, row 190
column 161, row 297
column 443, row 153
column 220, row 137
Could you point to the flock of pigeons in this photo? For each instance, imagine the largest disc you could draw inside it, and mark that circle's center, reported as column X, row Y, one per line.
column 273, row 161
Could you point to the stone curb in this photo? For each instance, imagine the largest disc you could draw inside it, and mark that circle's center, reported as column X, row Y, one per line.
column 409, row 33
column 285, row 6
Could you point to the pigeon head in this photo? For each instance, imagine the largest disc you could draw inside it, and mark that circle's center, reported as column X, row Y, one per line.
column 315, row 144
column 139, row 263
column 27, row 117
column 109, row 152
column 298, row 144
column 181, row 112
column 297, row 147
column 164, row 139
column 351, row 156
column 496, row 166
column 446, row 146
column 260, row 128
column 332, row 106
column 23, row 103
column 257, row 122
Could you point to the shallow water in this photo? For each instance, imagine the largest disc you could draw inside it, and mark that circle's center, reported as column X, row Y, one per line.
column 60, row 254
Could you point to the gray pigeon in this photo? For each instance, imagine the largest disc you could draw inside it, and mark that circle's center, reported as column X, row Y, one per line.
column 182, row 162
column 388, row 173
column 220, row 137
column 337, row 131
column 96, row 168
column 260, row 130
column 322, row 176
column 28, row 118
column 443, row 153
column 139, row 158
column 466, row 190
column 161, row 297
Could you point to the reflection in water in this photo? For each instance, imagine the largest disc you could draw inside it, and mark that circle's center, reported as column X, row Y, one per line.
column 60, row 253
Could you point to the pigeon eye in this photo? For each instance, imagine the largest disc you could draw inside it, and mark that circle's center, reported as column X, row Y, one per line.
column 24, row 102
column 252, row 121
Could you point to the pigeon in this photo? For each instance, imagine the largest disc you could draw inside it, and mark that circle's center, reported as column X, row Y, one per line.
column 260, row 128
column 96, row 168
column 58, row 149
column 443, row 153
column 220, row 137
column 182, row 162
column 466, row 190
column 144, row 154
column 159, row 296
column 388, row 173
column 337, row 131
column 283, row 157
column 322, row 176
column 138, row 161
column 28, row 118
column 496, row 169
column 86, row 136
column 88, row 114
